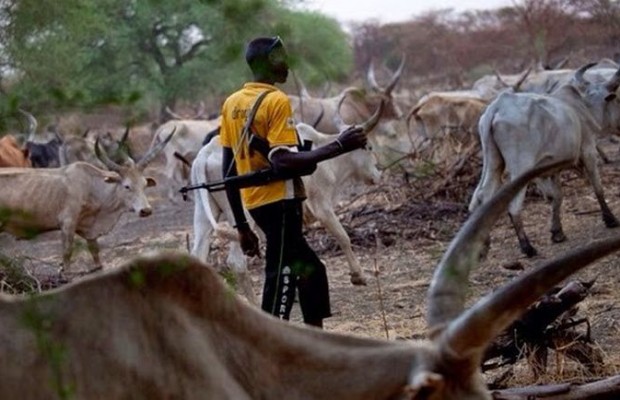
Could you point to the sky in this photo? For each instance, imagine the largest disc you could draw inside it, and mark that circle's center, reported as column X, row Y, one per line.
column 386, row 11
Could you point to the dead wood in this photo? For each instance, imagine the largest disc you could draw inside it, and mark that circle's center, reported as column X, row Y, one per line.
column 549, row 324
column 604, row 389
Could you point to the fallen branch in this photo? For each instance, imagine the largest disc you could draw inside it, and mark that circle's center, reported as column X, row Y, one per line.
column 604, row 389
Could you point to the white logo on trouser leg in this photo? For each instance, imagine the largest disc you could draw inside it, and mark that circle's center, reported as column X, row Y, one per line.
column 286, row 279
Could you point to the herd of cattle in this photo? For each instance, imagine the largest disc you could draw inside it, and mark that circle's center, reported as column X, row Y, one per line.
column 171, row 330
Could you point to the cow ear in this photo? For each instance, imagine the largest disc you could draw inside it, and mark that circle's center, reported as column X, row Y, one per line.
column 150, row 182
column 610, row 96
column 112, row 179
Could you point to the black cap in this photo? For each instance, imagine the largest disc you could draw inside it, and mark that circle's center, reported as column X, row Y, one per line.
column 259, row 48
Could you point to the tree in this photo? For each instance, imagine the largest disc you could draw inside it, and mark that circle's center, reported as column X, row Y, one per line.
column 151, row 52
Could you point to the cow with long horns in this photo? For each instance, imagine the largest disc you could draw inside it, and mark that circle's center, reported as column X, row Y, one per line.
column 76, row 199
column 358, row 106
column 519, row 130
column 170, row 328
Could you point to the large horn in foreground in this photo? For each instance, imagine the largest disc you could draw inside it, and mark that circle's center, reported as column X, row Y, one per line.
column 468, row 334
column 154, row 151
column 478, row 326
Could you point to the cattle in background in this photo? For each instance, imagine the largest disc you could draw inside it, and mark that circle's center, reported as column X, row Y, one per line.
column 520, row 130
column 11, row 154
column 168, row 327
column 76, row 199
column 198, row 114
column 358, row 106
column 186, row 143
column 448, row 120
column 82, row 148
column 539, row 80
column 42, row 154
column 323, row 188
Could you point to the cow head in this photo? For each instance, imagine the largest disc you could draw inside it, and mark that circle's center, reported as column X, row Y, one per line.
column 362, row 161
column 384, row 94
column 130, row 180
column 601, row 98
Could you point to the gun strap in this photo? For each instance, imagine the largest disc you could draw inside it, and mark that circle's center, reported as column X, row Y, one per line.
column 245, row 132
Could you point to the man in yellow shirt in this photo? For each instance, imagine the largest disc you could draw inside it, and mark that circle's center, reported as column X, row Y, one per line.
column 277, row 206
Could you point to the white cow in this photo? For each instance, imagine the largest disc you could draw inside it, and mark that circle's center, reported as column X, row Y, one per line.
column 323, row 188
column 186, row 143
column 358, row 106
column 76, row 199
column 167, row 327
column 519, row 130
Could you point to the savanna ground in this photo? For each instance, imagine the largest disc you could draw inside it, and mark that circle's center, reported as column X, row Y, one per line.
column 399, row 231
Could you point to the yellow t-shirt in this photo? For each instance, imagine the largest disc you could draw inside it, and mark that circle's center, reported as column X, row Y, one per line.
column 274, row 123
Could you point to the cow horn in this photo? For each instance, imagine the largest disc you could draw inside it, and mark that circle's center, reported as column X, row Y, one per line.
column 369, row 124
column 338, row 120
column 562, row 63
column 154, row 151
column 319, row 118
column 579, row 73
column 302, row 92
column 496, row 312
column 448, row 287
column 173, row 114
column 613, row 83
column 32, row 124
column 370, row 77
column 103, row 157
column 517, row 86
column 123, row 140
column 396, row 75
column 372, row 81
column 200, row 112
column 413, row 111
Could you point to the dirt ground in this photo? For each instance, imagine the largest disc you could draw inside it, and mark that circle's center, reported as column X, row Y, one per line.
column 399, row 235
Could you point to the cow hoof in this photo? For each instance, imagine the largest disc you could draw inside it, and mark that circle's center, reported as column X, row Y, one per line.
column 611, row 222
column 529, row 251
column 358, row 279
column 558, row 237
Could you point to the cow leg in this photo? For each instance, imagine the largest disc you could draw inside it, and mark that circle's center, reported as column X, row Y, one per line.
column 551, row 189
column 514, row 213
column 237, row 261
column 591, row 169
column 67, row 237
column 203, row 229
column 93, row 248
column 330, row 221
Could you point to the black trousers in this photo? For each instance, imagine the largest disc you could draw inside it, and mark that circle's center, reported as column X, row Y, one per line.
column 291, row 264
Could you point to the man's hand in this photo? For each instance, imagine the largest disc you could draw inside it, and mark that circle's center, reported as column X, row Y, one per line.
column 248, row 240
column 352, row 138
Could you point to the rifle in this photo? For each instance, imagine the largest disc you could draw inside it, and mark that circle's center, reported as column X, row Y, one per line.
column 257, row 178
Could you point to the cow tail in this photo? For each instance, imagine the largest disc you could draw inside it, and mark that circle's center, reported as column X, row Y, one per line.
column 490, row 154
column 199, row 175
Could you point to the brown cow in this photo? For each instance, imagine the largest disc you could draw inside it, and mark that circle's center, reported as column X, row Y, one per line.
column 167, row 327
column 11, row 155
